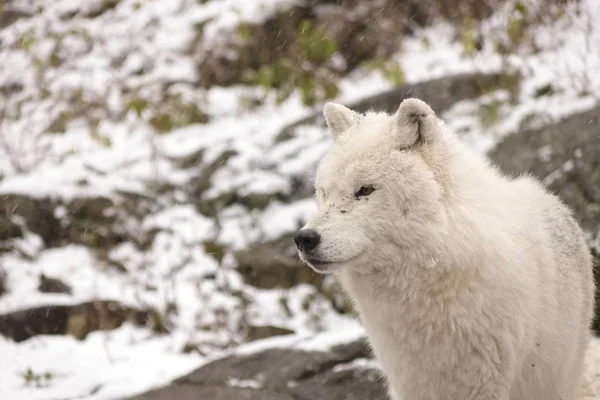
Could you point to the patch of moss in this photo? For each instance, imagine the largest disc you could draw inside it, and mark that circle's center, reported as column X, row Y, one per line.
column 390, row 68
column 468, row 38
column 137, row 105
column 314, row 83
column 510, row 82
column 490, row 113
column 59, row 124
column 55, row 59
column 102, row 140
column 173, row 112
column 37, row 379
column 517, row 25
column 257, row 201
column 26, row 40
column 314, row 43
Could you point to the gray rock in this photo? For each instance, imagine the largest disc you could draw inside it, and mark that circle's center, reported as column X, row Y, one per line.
column 440, row 93
column 274, row 264
column 85, row 220
column 280, row 374
column 349, row 383
column 9, row 16
column 193, row 392
column 2, row 281
column 265, row 331
column 53, row 285
column 76, row 320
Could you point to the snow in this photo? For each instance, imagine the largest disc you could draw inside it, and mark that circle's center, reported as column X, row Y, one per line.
column 344, row 334
column 103, row 366
column 73, row 261
column 192, row 227
column 228, row 14
column 357, row 363
column 244, row 383
column 139, row 47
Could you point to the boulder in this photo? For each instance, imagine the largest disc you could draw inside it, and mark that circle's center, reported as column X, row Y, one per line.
column 439, row 93
column 85, row 221
column 312, row 31
column 2, row 281
column 274, row 264
column 77, row 320
column 53, row 285
column 343, row 372
column 258, row 332
column 96, row 221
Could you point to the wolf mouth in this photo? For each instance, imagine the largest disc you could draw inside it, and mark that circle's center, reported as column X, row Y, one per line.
column 322, row 267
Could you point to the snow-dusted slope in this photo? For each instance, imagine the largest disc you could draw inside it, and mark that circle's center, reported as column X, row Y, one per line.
column 70, row 131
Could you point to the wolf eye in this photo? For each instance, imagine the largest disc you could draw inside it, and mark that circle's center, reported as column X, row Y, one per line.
column 365, row 191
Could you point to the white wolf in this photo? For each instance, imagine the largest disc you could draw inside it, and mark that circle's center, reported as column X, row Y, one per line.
column 470, row 285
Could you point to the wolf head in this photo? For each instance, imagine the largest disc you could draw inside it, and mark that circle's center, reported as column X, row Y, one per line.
column 379, row 190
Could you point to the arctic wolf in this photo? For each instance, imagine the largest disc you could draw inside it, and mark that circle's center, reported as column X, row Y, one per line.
column 470, row 285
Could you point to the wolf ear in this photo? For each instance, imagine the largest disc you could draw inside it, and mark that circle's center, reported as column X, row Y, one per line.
column 415, row 121
column 339, row 118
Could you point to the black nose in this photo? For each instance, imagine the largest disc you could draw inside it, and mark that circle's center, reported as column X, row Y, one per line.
column 307, row 239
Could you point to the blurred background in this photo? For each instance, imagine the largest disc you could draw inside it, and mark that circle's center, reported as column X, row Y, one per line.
column 156, row 157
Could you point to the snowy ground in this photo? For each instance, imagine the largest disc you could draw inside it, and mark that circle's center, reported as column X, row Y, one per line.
column 128, row 360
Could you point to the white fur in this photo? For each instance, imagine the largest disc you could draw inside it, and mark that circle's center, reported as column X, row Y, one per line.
column 470, row 285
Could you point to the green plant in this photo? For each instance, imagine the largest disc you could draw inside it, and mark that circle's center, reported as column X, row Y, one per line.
column 516, row 26
column 314, row 43
column 245, row 32
column 138, row 105
column 26, row 40
column 313, row 83
column 468, row 36
column 390, row 68
column 172, row 112
column 36, row 379
column 306, row 71
column 102, row 140
column 490, row 113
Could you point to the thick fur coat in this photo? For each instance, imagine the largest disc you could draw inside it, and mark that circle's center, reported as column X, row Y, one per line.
column 471, row 285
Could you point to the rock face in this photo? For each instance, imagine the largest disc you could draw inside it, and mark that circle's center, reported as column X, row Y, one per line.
column 440, row 94
column 53, row 285
column 342, row 373
column 85, row 221
column 2, row 281
column 274, row 264
column 76, row 320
